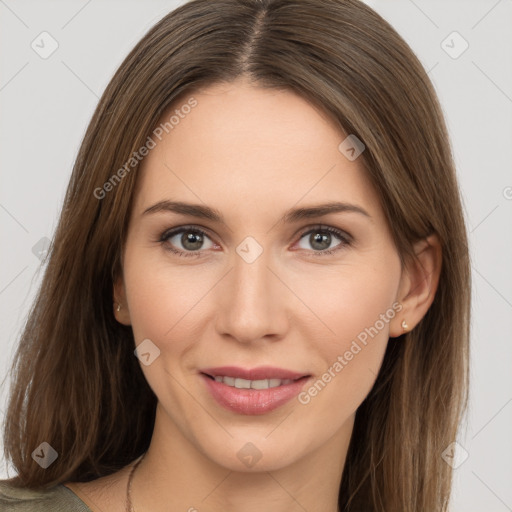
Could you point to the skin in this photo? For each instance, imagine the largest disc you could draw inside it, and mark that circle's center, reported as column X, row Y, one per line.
column 289, row 308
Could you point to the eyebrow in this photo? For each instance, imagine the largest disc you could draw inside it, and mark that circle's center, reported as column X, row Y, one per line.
column 293, row 215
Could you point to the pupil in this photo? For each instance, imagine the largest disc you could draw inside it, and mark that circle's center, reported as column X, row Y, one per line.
column 191, row 241
column 318, row 238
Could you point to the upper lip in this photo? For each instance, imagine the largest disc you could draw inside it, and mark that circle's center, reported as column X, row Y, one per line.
column 258, row 373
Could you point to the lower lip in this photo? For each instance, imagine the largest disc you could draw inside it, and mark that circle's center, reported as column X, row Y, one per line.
column 253, row 401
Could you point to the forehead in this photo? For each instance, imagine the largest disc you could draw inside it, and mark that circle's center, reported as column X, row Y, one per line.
column 251, row 147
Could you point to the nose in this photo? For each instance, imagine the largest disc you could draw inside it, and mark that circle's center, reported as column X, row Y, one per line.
column 253, row 302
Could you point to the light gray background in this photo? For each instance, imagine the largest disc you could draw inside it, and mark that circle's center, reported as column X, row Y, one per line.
column 46, row 105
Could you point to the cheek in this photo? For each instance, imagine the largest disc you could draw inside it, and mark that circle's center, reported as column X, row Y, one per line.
column 154, row 294
column 357, row 305
column 166, row 302
column 163, row 305
column 345, row 300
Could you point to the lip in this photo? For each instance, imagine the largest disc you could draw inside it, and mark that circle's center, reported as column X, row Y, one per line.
column 253, row 401
column 259, row 373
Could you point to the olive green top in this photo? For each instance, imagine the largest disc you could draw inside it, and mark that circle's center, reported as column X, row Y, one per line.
column 56, row 499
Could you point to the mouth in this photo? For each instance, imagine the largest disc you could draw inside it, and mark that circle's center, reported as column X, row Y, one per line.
column 255, row 391
column 240, row 383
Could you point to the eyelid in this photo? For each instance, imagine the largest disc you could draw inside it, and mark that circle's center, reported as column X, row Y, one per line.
column 186, row 227
column 331, row 229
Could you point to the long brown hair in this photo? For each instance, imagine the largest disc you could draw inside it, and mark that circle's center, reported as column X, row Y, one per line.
column 75, row 382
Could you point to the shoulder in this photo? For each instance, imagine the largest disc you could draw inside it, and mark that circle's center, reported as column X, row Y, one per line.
column 55, row 499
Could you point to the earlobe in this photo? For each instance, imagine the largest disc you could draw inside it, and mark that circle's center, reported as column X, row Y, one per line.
column 419, row 285
column 120, row 306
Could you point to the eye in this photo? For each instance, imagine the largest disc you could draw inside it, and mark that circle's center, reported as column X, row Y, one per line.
column 321, row 238
column 188, row 240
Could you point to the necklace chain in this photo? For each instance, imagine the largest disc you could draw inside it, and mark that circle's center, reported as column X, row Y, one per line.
column 129, row 506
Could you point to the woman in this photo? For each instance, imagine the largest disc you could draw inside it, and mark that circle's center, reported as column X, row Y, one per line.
column 257, row 296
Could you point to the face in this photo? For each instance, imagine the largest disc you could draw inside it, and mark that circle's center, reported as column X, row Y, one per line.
column 313, row 293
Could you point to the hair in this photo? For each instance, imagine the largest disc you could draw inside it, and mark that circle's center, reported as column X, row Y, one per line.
column 75, row 382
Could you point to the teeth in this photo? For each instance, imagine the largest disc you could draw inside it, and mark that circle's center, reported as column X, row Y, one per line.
column 253, row 384
column 230, row 381
column 242, row 384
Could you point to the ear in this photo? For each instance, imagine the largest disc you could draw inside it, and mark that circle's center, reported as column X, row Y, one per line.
column 418, row 285
column 121, row 310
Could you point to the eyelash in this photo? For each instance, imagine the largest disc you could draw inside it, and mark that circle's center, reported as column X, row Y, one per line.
column 346, row 240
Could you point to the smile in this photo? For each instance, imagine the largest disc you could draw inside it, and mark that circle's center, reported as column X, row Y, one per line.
column 252, row 392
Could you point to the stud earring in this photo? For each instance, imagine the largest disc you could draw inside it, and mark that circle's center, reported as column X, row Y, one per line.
column 118, row 308
column 404, row 325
